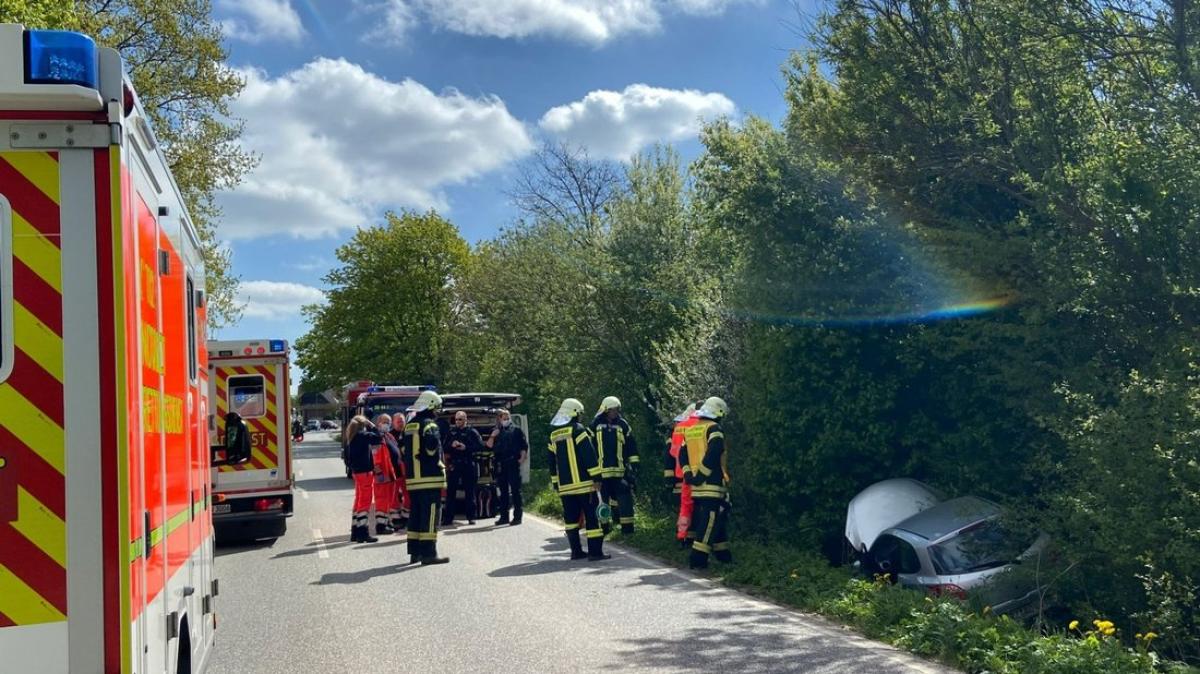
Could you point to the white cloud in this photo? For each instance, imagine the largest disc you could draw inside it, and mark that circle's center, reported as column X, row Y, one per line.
column 260, row 20
column 275, row 300
column 592, row 22
column 339, row 144
column 618, row 124
column 396, row 18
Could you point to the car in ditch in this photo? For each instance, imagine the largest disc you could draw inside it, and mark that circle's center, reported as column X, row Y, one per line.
column 958, row 547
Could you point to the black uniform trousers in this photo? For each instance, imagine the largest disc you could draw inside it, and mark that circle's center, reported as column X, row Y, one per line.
column 710, row 531
column 462, row 477
column 423, row 521
column 581, row 505
column 508, row 478
column 616, row 493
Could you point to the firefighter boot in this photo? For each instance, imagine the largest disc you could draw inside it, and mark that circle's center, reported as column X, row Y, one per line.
column 576, row 547
column 432, row 556
column 698, row 560
column 596, row 549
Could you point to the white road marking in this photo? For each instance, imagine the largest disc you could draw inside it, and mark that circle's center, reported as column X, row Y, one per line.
column 320, row 542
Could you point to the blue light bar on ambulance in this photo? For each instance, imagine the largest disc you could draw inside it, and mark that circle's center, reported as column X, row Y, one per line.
column 278, row 346
column 61, row 57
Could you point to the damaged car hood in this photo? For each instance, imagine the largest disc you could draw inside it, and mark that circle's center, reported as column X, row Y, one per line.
column 883, row 505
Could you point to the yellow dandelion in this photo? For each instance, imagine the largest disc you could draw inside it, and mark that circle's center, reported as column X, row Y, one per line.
column 1150, row 636
column 1073, row 625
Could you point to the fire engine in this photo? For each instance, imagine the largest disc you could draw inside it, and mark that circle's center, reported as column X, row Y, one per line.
column 371, row 399
column 251, row 379
column 106, row 543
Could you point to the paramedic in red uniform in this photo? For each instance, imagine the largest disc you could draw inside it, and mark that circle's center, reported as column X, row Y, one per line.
column 386, row 456
column 361, row 435
column 400, row 501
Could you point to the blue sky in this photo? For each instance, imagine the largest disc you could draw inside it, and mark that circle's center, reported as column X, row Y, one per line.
column 359, row 107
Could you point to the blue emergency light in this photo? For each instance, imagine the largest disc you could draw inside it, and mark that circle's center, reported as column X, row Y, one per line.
column 61, row 57
column 277, row 346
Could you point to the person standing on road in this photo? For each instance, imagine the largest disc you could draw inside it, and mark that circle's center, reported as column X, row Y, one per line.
column 398, row 515
column 426, row 478
column 705, row 468
column 360, row 436
column 511, row 450
column 575, row 475
column 618, row 456
column 461, row 445
column 681, row 490
column 386, row 457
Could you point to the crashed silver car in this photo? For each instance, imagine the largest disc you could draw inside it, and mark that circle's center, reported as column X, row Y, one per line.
column 953, row 547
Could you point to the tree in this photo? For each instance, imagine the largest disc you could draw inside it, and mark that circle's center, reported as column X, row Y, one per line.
column 392, row 312
column 175, row 57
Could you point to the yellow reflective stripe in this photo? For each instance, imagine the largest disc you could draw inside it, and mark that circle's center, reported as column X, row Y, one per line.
column 136, row 550
column 708, row 491
column 668, row 473
column 701, row 547
column 33, row 428
column 21, row 604
column 576, row 488
column 36, row 251
column 595, row 533
column 38, row 168
column 38, row 341
column 704, row 470
column 716, row 434
column 581, row 437
column 635, row 459
column 712, row 522
column 43, row 528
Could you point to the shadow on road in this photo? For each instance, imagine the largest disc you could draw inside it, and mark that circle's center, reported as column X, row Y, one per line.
column 355, row 577
column 753, row 639
column 239, row 546
column 471, row 530
column 561, row 561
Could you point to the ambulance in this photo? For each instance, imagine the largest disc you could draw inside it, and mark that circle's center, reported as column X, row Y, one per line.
column 106, row 539
column 250, row 378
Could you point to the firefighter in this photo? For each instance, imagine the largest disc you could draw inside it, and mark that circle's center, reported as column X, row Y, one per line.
column 386, row 456
column 426, row 478
column 237, row 439
column 575, row 475
column 704, row 468
column 674, row 474
column 511, row 448
column 361, row 435
column 461, row 445
column 618, row 455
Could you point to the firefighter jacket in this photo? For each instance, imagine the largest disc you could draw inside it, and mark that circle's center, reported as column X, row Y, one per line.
column 673, row 467
column 574, row 468
column 615, row 445
column 423, row 464
column 703, row 459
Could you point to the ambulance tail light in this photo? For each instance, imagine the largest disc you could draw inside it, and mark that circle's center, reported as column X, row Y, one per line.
column 61, row 57
column 267, row 504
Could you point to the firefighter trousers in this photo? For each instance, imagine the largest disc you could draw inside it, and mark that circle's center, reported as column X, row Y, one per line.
column 576, row 506
column 710, row 531
column 423, row 522
column 616, row 492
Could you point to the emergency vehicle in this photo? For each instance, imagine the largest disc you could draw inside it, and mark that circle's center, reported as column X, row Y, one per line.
column 371, row 399
column 106, row 542
column 250, row 377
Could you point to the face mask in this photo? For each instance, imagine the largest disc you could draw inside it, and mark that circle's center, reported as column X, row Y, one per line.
column 385, row 427
column 506, row 423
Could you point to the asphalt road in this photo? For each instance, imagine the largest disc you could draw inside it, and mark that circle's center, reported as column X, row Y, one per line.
column 509, row 601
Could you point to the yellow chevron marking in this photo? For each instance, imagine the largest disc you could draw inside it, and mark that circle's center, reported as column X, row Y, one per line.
column 38, row 341
column 36, row 251
column 19, row 602
column 32, row 427
column 41, row 527
column 38, row 168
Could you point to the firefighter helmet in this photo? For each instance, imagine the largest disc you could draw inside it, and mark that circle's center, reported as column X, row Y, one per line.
column 569, row 410
column 428, row 400
column 610, row 403
column 714, row 408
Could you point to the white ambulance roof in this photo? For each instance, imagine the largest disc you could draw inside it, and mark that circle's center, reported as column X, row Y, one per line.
column 246, row 347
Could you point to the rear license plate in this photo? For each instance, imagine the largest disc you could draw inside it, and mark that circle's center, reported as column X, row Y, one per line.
column 221, row 508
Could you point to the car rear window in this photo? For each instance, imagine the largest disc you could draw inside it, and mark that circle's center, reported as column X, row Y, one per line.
column 986, row 545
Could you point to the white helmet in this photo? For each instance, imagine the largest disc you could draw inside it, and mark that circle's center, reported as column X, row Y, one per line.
column 569, row 409
column 691, row 409
column 428, row 400
column 714, row 408
column 610, row 403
